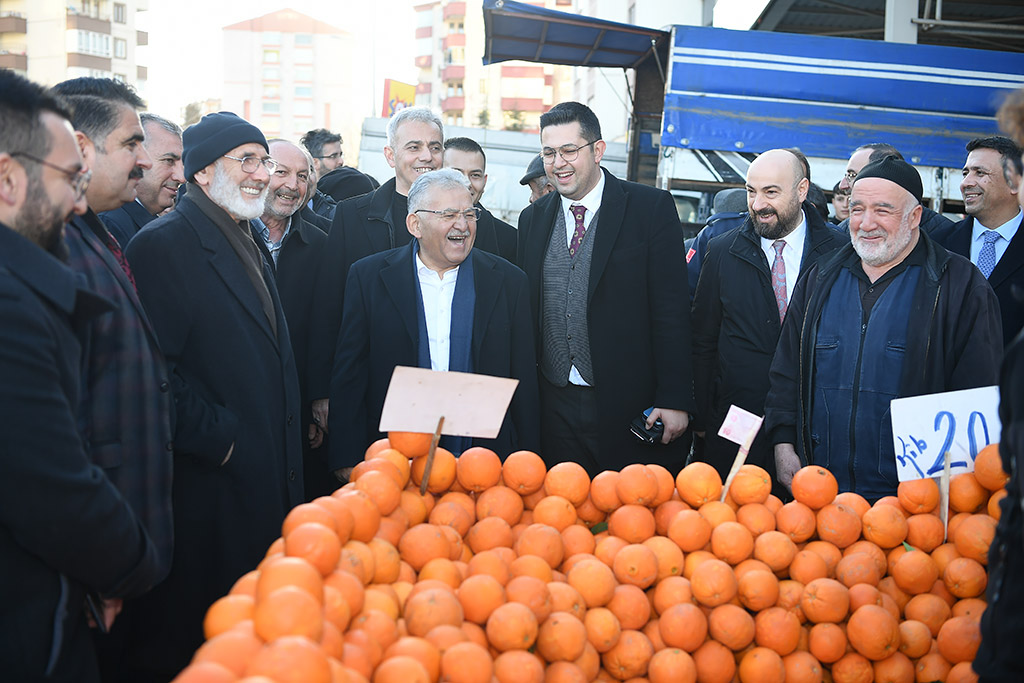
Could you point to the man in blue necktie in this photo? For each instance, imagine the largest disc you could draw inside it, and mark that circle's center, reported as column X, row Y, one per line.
column 990, row 235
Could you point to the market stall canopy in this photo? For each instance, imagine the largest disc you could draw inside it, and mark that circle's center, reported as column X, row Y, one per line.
column 516, row 30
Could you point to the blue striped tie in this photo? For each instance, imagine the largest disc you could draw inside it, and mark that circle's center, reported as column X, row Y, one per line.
column 987, row 255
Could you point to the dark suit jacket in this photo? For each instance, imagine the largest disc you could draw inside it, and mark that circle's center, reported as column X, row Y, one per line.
column 380, row 331
column 64, row 528
column 1007, row 276
column 126, row 408
column 235, row 383
column 637, row 313
column 298, row 262
column 362, row 226
column 315, row 219
column 736, row 329
column 123, row 223
column 496, row 236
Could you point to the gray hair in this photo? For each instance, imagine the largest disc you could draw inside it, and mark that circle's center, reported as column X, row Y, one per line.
column 421, row 114
column 426, row 184
column 169, row 126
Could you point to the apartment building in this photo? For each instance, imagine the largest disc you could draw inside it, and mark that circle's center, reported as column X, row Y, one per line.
column 454, row 81
column 52, row 40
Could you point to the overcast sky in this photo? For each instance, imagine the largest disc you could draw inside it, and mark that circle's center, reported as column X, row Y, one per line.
column 185, row 61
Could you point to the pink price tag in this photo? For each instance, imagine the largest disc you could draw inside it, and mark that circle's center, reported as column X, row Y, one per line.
column 740, row 426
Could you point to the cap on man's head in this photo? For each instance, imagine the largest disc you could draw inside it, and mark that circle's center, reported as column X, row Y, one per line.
column 216, row 135
column 896, row 170
column 534, row 170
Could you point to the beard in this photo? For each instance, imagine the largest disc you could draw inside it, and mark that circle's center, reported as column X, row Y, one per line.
column 886, row 251
column 785, row 222
column 40, row 220
column 227, row 194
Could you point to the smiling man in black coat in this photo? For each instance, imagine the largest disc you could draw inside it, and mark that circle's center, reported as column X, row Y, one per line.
column 608, row 287
column 237, row 443
column 397, row 305
column 737, row 315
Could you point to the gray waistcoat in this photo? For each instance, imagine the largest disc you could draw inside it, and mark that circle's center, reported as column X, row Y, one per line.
column 565, row 338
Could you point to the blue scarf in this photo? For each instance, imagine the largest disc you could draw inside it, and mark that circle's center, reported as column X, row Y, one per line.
column 460, row 354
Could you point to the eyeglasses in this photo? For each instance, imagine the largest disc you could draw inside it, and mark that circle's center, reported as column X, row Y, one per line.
column 332, row 157
column 471, row 215
column 567, row 152
column 250, row 164
column 851, row 175
column 79, row 179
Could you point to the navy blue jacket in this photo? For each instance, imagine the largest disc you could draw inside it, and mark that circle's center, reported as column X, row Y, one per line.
column 124, row 222
column 64, row 528
column 718, row 224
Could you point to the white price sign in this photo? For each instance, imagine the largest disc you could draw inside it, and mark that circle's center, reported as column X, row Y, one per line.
column 925, row 427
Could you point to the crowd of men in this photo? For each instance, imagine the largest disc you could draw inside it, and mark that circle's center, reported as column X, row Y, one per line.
column 200, row 328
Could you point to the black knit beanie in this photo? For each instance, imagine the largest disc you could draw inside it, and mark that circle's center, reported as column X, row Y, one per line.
column 894, row 169
column 216, row 135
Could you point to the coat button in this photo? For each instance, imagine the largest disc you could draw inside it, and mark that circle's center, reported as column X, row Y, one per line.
column 291, row 475
column 169, row 446
column 291, row 418
column 164, row 386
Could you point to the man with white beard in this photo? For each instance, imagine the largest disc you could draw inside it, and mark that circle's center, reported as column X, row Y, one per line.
column 237, row 445
column 892, row 314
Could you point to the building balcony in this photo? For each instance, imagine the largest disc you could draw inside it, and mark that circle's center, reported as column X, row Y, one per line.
column 141, row 38
column 87, row 23
column 424, row 32
column 89, row 61
column 522, row 104
column 453, row 104
column 454, row 9
column 522, row 72
column 424, row 61
column 454, row 40
column 141, row 73
column 13, row 24
column 453, row 72
column 13, row 61
column 424, row 88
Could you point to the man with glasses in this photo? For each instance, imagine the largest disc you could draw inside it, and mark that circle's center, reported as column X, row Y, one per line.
column 125, row 408
column 473, row 316
column 66, row 531
column 607, row 272
column 237, row 442
column 158, row 188
column 869, row 154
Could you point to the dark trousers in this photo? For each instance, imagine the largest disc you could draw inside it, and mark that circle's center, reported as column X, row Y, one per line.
column 569, row 425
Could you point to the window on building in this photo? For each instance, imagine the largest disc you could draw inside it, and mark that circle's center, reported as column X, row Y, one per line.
column 303, row 91
column 461, row 29
column 451, row 90
column 271, row 56
column 458, row 120
column 120, row 48
column 271, row 73
column 303, row 38
column 271, row 37
column 271, row 91
column 120, row 78
column 271, row 107
column 303, row 55
column 458, row 89
column 120, row 13
column 303, row 73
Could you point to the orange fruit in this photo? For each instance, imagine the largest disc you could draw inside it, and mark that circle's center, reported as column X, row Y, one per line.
column 671, row 665
column 827, row 642
column 915, row 638
column 632, row 523
column 713, row 583
column 752, row 484
column 594, row 580
column 630, row 656
column 698, row 483
column 512, row 626
column 636, row 564
column 778, row 629
column 885, row 526
column 636, row 485
column 232, row 649
column 838, row 524
column 500, row 501
column 442, row 472
column 796, row 520
column 561, row 637
column 825, row 600
column 988, row 468
column 758, row 589
column 690, row 530
column 288, row 611
column 966, row 494
column 918, row 495
column 732, row 542
column 555, row 511
column 715, row 663
column 467, row 663
column 291, row 659
column 958, row 639
column 316, row 543
column 731, row 626
column 762, row 665
column 523, row 472
column 422, row 543
column 568, row 480
column 410, row 444
column 478, row 469
column 965, row 578
column 289, row 571
column 973, row 537
column 429, row 608
column 915, row 572
column 225, row 613
column 873, row 632
column 518, row 666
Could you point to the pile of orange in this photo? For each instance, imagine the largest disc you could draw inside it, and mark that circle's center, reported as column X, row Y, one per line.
column 510, row 572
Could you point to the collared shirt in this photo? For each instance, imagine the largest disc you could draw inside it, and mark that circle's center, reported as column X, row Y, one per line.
column 1006, row 231
column 592, row 201
column 438, row 293
column 792, row 253
column 273, row 247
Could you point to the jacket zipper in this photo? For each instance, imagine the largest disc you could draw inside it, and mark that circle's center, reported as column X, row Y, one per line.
column 853, row 413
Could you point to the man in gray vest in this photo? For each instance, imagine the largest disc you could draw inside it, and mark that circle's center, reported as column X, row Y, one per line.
column 607, row 275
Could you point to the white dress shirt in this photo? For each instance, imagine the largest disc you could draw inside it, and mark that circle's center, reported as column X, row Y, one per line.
column 1006, row 231
column 792, row 253
column 592, row 200
column 437, row 293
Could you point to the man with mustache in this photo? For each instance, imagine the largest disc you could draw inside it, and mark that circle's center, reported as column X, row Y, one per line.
column 892, row 314
column 366, row 225
column 745, row 286
column 990, row 235
column 293, row 247
column 66, row 531
column 238, row 440
column 473, row 315
column 157, row 187
column 125, row 407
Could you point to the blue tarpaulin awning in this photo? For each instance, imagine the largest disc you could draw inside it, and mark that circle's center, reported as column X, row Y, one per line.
column 516, row 30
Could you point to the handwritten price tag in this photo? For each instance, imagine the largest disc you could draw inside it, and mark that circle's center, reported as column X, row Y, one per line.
column 925, row 427
column 739, row 425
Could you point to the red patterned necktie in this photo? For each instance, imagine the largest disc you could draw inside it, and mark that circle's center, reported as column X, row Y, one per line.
column 578, row 210
column 115, row 249
column 779, row 278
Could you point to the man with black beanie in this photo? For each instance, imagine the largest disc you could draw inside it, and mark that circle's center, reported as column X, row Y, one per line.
column 891, row 315
column 237, row 443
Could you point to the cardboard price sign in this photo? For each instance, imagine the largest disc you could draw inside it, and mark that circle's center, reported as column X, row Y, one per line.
column 924, row 428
